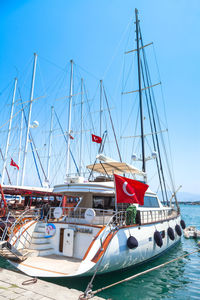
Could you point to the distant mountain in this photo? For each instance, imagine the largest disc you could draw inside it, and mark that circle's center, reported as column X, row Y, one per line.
column 183, row 197
column 187, row 197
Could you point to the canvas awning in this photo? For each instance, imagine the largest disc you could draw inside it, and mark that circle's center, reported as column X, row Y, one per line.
column 28, row 191
column 114, row 167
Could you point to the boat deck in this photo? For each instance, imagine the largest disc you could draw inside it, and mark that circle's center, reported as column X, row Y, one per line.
column 56, row 264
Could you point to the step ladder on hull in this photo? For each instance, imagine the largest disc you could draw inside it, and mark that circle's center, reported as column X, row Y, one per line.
column 10, row 252
column 39, row 243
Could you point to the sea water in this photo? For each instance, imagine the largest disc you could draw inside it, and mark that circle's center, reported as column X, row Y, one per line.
column 178, row 280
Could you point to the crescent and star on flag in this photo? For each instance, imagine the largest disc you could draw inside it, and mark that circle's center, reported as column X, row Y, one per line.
column 129, row 190
column 125, row 190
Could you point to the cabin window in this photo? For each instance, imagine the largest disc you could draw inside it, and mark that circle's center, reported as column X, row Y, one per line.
column 150, row 202
column 100, row 202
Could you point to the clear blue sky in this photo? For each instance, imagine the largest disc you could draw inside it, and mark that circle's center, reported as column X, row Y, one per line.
column 89, row 31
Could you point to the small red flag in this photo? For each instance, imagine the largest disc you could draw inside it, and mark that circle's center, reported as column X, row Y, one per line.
column 12, row 163
column 129, row 190
column 71, row 137
column 96, row 139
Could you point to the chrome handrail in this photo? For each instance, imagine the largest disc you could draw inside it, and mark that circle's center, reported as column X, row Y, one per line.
column 149, row 216
column 33, row 213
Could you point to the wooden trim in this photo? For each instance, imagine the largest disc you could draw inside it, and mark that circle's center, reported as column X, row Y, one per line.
column 18, row 226
column 61, row 239
column 136, row 49
column 136, row 91
column 94, row 239
column 128, row 226
column 89, row 225
column 43, row 269
column 103, row 248
column 23, row 232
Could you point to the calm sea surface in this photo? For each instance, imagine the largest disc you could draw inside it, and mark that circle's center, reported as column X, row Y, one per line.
column 179, row 280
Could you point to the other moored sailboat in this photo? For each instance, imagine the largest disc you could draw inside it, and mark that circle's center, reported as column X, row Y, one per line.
column 100, row 234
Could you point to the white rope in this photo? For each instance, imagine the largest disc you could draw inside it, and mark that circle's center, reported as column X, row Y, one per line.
column 142, row 273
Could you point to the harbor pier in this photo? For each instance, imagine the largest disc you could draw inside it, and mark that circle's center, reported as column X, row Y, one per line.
column 13, row 286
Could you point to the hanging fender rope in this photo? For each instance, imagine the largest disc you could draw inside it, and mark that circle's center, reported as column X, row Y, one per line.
column 91, row 294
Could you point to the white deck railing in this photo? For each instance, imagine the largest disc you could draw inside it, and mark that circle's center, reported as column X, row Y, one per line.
column 71, row 215
column 102, row 216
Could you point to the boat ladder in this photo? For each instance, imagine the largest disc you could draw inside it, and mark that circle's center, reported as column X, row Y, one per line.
column 8, row 251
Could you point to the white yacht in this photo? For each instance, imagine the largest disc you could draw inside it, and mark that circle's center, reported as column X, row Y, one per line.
column 75, row 241
column 90, row 232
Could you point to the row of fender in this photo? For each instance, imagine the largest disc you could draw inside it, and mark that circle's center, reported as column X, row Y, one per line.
column 133, row 243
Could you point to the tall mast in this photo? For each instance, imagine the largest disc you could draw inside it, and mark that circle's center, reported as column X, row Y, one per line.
column 101, row 110
column 9, row 131
column 81, row 137
column 20, row 144
column 140, row 92
column 69, row 118
column 50, row 138
column 29, row 117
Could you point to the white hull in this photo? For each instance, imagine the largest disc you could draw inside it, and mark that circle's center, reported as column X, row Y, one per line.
column 115, row 254
column 119, row 256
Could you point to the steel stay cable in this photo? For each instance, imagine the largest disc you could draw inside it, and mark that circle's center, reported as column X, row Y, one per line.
column 159, row 125
column 102, row 237
column 144, row 272
column 77, row 169
column 32, row 143
column 113, row 128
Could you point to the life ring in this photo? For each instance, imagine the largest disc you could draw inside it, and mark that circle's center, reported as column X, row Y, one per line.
column 2, row 212
column 132, row 242
column 158, row 238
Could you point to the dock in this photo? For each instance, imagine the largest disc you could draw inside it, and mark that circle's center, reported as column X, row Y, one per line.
column 12, row 287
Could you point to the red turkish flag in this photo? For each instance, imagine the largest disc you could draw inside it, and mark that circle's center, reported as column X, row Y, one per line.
column 12, row 163
column 96, row 139
column 129, row 190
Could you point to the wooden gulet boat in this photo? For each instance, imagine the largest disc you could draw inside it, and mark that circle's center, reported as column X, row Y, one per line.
column 74, row 241
column 97, row 235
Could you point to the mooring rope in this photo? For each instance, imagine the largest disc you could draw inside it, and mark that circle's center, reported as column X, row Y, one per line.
column 29, row 281
column 92, row 293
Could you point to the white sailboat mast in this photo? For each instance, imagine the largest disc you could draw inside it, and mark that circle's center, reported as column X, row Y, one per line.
column 20, row 144
column 9, row 131
column 29, row 118
column 101, row 108
column 50, row 138
column 69, row 118
column 81, row 137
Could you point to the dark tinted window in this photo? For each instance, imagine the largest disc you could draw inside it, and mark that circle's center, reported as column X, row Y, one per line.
column 150, row 202
column 103, row 202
